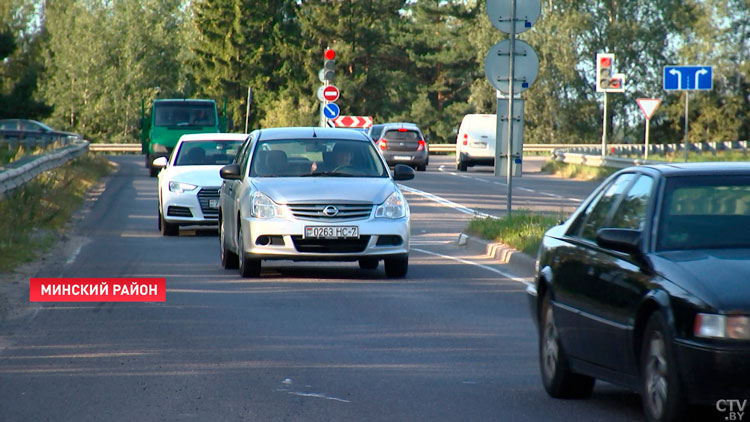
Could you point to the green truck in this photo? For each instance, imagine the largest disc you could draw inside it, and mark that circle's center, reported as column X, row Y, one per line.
column 169, row 119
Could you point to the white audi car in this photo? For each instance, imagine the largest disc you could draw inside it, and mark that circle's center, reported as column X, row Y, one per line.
column 313, row 194
column 189, row 181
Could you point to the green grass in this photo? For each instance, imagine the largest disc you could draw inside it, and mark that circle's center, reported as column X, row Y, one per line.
column 522, row 231
column 577, row 171
column 9, row 155
column 33, row 215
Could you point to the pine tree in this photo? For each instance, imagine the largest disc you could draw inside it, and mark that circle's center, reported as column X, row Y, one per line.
column 241, row 44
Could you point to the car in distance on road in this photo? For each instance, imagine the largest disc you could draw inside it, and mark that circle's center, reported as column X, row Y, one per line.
column 475, row 141
column 312, row 194
column 646, row 286
column 26, row 130
column 401, row 143
column 189, row 182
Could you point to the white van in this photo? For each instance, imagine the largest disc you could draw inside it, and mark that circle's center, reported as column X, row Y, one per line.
column 475, row 143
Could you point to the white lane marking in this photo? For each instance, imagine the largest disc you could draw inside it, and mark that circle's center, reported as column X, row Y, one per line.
column 488, row 268
column 429, row 242
column 550, row 194
column 443, row 201
column 505, row 184
column 318, row 395
column 74, row 256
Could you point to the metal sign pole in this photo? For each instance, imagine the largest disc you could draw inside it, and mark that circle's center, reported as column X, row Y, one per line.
column 645, row 152
column 509, row 155
column 685, row 141
column 249, row 100
column 604, row 128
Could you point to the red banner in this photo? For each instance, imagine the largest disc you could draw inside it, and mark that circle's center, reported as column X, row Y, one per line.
column 98, row 290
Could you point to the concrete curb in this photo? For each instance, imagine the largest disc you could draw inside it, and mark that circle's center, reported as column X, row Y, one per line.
column 498, row 251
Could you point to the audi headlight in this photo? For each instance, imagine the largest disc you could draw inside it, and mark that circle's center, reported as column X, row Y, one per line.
column 735, row 327
column 262, row 206
column 180, row 187
column 394, row 207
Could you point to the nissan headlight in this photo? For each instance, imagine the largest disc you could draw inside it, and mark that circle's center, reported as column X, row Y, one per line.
column 735, row 327
column 394, row 207
column 261, row 206
column 180, row 187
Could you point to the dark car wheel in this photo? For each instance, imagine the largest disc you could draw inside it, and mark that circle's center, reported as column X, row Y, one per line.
column 462, row 166
column 368, row 263
column 229, row 259
column 168, row 229
column 421, row 167
column 661, row 391
column 153, row 171
column 397, row 266
column 558, row 380
column 249, row 267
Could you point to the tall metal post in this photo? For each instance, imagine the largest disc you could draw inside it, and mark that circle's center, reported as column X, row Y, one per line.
column 685, row 141
column 604, row 128
column 249, row 101
column 509, row 159
column 645, row 151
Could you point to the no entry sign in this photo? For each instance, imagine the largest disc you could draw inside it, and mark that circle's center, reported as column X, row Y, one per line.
column 331, row 93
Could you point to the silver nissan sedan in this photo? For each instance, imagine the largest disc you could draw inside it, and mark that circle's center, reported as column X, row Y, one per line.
column 312, row 194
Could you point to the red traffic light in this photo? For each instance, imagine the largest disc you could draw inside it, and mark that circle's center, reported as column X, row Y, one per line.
column 329, row 54
column 605, row 62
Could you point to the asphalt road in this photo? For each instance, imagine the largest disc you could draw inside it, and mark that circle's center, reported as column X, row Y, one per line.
column 304, row 342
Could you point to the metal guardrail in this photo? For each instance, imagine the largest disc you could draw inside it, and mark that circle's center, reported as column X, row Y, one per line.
column 115, row 148
column 15, row 174
column 436, row 148
column 591, row 154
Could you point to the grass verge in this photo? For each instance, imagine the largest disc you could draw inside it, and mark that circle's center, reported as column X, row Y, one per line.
column 577, row 171
column 33, row 215
column 522, row 231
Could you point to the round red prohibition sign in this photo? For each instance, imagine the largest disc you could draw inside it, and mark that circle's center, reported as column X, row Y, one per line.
column 331, row 93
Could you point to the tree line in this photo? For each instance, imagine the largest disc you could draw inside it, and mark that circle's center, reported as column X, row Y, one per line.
column 89, row 65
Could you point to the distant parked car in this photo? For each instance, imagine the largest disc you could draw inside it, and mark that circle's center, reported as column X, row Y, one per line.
column 189, row 182
column 313, row 194
column 646, row 286
column 401, row 143
column 475, row 142
column 32, row 130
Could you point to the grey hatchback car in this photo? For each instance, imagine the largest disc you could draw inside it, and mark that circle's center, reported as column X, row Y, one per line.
column 401, row 143
column 312, row 194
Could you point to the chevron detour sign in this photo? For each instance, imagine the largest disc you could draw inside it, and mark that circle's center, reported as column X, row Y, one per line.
column 353, row 121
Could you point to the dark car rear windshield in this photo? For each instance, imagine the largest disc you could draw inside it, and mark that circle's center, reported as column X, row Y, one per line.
column 705, row 212
column 401, row 135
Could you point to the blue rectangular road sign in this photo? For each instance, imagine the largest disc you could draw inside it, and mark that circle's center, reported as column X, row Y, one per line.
column 688, row 78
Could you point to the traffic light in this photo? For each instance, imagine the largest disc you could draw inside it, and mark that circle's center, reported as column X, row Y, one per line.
column 606, row 79
column 604, row 64
column 329, row 64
